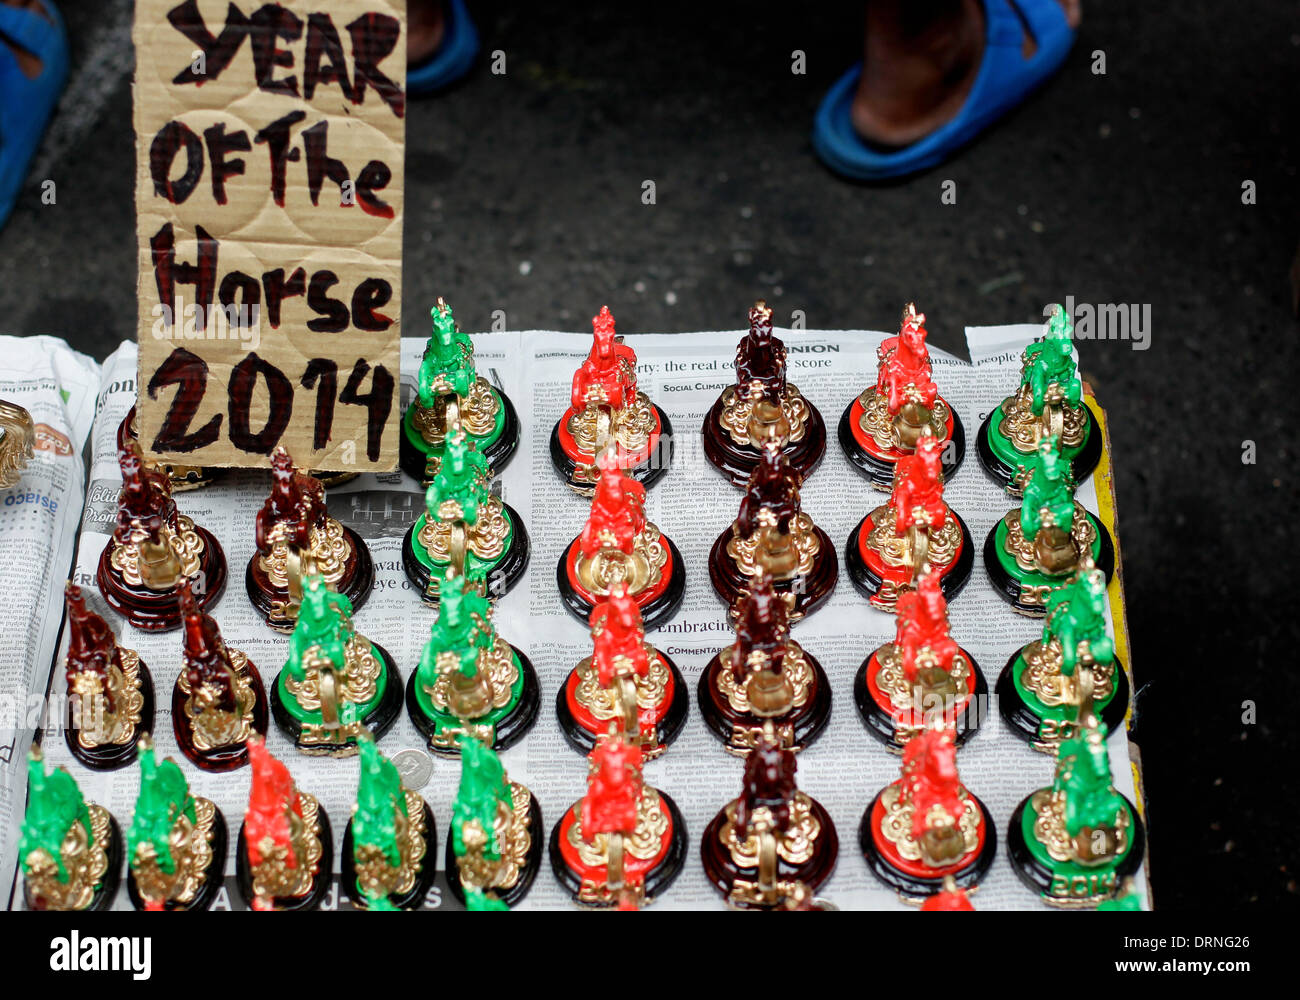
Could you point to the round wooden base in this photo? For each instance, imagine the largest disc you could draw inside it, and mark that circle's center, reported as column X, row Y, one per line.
column 723, row 872
column 1072, row 886
column 913, row 886
column 411, row 900
column 413, row 456
column 737, row 461
column 356, row 585
column 952, row 578
column 311, row 899
column 103, row 897
column 501, row 578
column 809, row 592
column 227, row 758
column 111, row 756
column 581, row 735
column 879, row 469
column 212, row 875
column 1010, row 584
column 735, row 729
column 378, row 720
column 1027, row 723
column 875, row 707
column 509, row 730
column 657, row 879
column 654, row 612
column 1001, row 472
column 527, row 873
column 647, row 473
column 160, row 610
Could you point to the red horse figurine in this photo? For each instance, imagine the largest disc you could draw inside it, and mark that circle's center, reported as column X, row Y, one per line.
column 930, row 778
column 918, row 486
column 617, row 632
column 923, row 621
column 613, row 788
column 608, row 375
column 904, row 361
column 617, row 510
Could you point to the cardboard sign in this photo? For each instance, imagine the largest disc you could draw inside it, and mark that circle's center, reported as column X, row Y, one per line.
column 269, row 148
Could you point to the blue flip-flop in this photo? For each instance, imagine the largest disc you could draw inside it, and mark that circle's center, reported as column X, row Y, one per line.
column 453, row 58
column 25, row 104
column 1005, row 78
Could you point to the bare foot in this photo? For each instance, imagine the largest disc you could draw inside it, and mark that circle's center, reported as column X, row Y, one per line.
column 424, row 29
column 920, row 61
column 28, row 62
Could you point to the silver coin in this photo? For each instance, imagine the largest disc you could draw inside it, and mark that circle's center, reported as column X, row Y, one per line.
column 415, row 767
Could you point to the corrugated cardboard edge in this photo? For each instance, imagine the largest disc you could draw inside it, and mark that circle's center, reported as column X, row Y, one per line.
column 1107, row 510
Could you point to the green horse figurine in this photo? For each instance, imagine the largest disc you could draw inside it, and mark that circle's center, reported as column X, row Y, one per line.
column 463, row 627
column 448, row 362
column 1083, row 775
column 1049, row 486
column 1075, row 614
column 461, row 483
column 164, row 798
column 483, row 791
column 325, row 622
column 379, row 797
column 54, row 805
column 1051, row 361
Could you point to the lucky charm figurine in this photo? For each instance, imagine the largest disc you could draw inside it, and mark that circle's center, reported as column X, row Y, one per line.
column 451, row 396
column 892, row 546
column 176, row 846
column 774, row 842
column 926, row 827
column 285, row 850
column 885, row 422
column 110, row 690
column 218, row 702
column 154, row 550
column 1076, row 841
column 470, row 680
column 1036, row 547
column 764, row 680
column 495, row 847
column 608, row 411
column 336, row 683
column 623, row 843
column 736, row 429
column 391, row 841
column 296, row 535
column 618, row 545
column 69, row 850
column 182, row 477
column 773, row 535
column 626, row 680
column 1048, row 403
column 465, row 528
column 1045, row 681
column 921, row 676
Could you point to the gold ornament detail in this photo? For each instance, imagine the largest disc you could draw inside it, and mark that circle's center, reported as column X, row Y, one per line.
column 486, row 538
column 1042, row 674
column 645, row 844
column 84, row 859
column 785, row 555
column 98, row 726
column 191, row 851
column 738, row 407
column 497, row 670
column 1028, row 553
column 794, row 667
column 158, row 564
column 375, row 876
column 273, row 878
column 603, row 703
column 360, row 682
column 328, row 546
column 883, row 428
column 891, row 680
column 597, row 423
column 513, row 839
column 896, row 551
column 1051, row 832
column 639, row 571
column 476, row 414
column 1023, row 428
column 17, row 442
column 214, row 727
column 794, row 845
column 896, row 826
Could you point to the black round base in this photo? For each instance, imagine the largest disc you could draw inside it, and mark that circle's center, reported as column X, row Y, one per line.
column 1008, row 587
column 114, row 850
column 310, row 900
column 357, row 591
column 881, row 472
column 916, row 887
column 111, row 756
column 160, row 611
column 657, row 880
column 584, row 740
column 868, row 583
column 378, row 720
column 883, row 726
column 807, row 721
column 411, row 900
column 1026, row 723
column 1040, row 879
column 498, row 454
column 500, row 579
column 527, row 872
column 653, row 613
column 509, row 731
column 212, row 875
column 1082, row 465
column 738, row 461
column 649, row 472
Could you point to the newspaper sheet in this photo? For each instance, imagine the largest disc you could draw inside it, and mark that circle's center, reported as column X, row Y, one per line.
column 38, row 525
column 683, row 373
